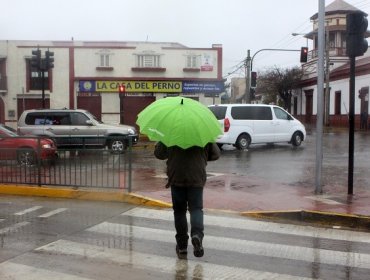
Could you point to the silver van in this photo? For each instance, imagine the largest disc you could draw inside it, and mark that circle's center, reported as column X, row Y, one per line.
column 245, row 124
column 75, row 128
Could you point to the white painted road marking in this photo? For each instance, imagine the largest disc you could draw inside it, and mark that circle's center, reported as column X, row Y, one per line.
column 51, row 213
column 15, row 271
column 156, row 262
column 28, row 210
column 248, row 224
column 13, row 228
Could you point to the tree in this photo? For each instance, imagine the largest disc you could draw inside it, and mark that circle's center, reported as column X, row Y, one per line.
column 277, row 85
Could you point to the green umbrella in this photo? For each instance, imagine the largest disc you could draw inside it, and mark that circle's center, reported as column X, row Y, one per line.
column 179, row 121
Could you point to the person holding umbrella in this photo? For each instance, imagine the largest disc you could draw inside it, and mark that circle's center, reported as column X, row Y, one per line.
column 186, row 171
column 186, row 132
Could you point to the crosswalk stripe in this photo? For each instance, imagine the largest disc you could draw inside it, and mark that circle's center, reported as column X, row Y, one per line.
column 28, row 210
column 13, row 227
column 248, row 224
column 51, row 213
column 199, row 269
column 243, row 246
column 15, row 271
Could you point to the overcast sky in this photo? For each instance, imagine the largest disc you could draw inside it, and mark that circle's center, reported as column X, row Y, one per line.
column 238, row 25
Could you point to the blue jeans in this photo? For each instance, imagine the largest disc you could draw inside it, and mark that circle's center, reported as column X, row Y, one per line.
column 184, row 198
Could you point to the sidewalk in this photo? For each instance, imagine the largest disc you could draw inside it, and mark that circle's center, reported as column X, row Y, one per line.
column 259, row 198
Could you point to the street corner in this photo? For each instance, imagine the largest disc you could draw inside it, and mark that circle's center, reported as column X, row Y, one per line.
column 315, row 218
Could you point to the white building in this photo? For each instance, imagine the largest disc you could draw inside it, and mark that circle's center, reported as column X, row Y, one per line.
column 87, row 75
column 336, row 102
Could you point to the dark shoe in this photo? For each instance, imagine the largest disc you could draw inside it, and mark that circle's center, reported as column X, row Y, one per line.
column 181, row 253
column 198, row 248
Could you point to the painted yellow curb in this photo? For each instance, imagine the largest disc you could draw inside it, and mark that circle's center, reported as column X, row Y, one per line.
column 82, row 194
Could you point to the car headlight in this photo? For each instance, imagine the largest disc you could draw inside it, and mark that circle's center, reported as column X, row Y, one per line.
column 131, row 131
column 46, row 146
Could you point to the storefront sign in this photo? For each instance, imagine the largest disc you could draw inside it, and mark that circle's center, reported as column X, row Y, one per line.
column 152, row 86
column 131, row 86
column 203, row 87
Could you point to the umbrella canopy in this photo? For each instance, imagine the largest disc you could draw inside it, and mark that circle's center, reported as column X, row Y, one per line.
column 179, row 121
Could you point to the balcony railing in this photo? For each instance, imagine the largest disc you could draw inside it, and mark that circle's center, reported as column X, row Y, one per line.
column 332, row 52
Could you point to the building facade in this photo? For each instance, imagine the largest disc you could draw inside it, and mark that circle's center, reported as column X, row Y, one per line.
column 87, row 75
column 337, row 72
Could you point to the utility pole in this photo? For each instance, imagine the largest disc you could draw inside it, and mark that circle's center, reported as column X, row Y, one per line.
column 357, row 45
column 320, row 91
column 247, row 97
column 327, row 80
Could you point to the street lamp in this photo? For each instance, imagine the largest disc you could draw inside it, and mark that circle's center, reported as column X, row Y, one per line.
column 297, row 34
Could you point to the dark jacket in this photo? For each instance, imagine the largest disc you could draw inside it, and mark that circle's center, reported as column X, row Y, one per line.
column 187, row 167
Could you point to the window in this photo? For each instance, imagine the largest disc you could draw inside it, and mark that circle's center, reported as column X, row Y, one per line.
column 338, row 102
column 79, row 119
column 146, row 60
column 219, row 111
column 251, row 113
column 35, row 78
column 192, row 61
column 104, row 60
column 280, row 114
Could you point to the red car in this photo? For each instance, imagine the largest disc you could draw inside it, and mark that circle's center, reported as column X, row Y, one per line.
column 25, row 150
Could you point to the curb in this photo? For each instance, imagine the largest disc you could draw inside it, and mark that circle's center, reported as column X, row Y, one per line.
column 318, row 218
column 113, row 196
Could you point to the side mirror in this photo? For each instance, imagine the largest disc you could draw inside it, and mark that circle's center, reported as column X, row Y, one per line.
column 89, row 122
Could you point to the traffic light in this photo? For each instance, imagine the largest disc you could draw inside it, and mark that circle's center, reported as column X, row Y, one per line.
column 304, row 52
column 36, row 59
column 253, row 79
column 356, row 28
column 121, row 88
column 49, row 60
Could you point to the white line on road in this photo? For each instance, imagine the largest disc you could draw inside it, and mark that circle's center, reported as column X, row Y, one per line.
column 226, row 244
column 13, row 227
column 51, row 213
column 28, row 210
column 15, row 271
column 249, row 224
column 173, row 266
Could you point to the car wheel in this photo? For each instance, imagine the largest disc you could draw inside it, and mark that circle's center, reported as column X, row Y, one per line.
column 26, row 157
column 243, row 142
column 297, row 139
column 117, row 146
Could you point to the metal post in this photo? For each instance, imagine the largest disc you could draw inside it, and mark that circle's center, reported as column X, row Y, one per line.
column 327, row 79
column 351, row 118
column 320, row 91
column 247, row 97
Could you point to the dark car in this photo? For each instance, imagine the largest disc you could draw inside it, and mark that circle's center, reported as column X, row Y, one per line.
column 26, row 150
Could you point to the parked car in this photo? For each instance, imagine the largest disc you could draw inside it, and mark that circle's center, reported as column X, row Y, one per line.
column 246, row 124
column 26, row 150
column 75, row 128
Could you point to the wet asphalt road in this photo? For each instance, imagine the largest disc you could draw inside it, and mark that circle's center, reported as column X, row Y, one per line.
column 283, row 163
column 64, row 239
